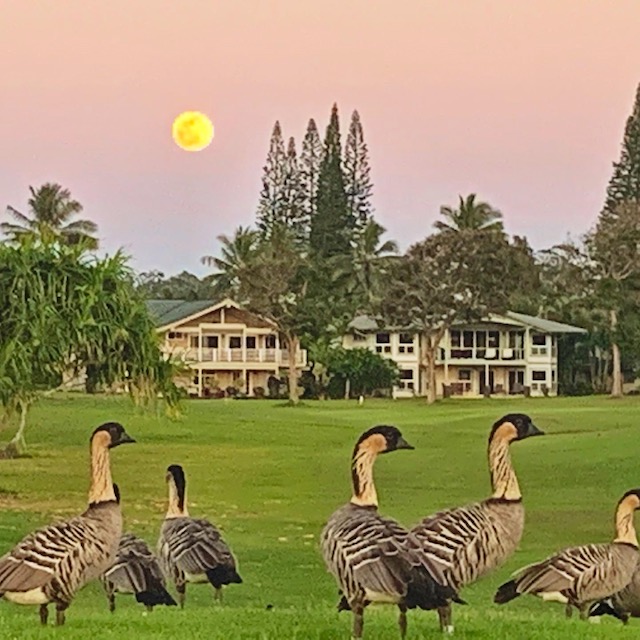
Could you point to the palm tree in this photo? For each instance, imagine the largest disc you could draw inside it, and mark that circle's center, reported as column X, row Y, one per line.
column 236, row 253
column 470, row 215
column 51, row 207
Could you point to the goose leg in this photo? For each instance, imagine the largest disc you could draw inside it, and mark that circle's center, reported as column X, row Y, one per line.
column 358, row 620
column 444, row 615
column 584, row 611
column 218, row 594
column 402, row 620
column 181, row 588
column 112, row 600
column 61, row 607
column 149, row 608
column 568, row 610
column 44, row 613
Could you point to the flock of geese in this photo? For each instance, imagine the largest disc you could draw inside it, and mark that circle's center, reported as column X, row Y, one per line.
column 374, row 559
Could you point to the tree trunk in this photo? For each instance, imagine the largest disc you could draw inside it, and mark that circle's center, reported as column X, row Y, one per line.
column 293, row 345
column 347, row 388
column 616, row 369
column 17, row 446
column 429, row 344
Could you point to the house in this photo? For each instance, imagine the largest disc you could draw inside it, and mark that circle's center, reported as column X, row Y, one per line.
column 221, row 343
column 512, row 353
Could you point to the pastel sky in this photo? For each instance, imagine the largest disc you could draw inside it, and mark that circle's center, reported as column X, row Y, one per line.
column 521, row 101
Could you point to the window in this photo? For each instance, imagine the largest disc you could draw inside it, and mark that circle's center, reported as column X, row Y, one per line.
column 493, row 339
column 539, row 376
column 270, row 342
column 250, row 342
column 539, row 339
column 455, row 338
column 405, row 338
column 175, row 335
column 464, row 374
column 383, row 338
column 235, row 342
column 194, row 342
column 211, row 342
column 406, row 374
column 553, row 375
column 467, row 339
column 358, row 337
column 481, row 338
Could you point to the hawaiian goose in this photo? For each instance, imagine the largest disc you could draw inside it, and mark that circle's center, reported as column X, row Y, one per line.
column 190, row 549
column 580, row 576
column 622, row 605
column 374, row 559
column 135, row 571
column 466, row 543
column 52, row 563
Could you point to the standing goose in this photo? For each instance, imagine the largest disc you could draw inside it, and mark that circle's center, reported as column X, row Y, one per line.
column 622, row 605
column 374, row 559
column 580, row 576
column 466, row 543
column 135, row 571
column 191, row 549
column 51, row 564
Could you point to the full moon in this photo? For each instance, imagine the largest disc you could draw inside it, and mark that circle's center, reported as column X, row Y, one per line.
column 192, row 131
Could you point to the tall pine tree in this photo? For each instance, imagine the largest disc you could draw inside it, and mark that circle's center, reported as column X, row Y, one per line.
column 272, row 204
column 332, row 226
column 357, row 177
column 625, row 182
column 295, row 217
column 310, row 159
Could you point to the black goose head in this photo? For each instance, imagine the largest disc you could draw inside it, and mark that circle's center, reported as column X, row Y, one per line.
column 115, row 433
column 382, row 439
column 515, row 426
column 175, row 473
column 633, row 497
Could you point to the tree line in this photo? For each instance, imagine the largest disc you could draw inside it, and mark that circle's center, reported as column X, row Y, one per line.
column 316, row 257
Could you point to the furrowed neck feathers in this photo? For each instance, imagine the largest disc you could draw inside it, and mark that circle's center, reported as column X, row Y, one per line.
column 364, row 456
column 177, row 501
column 625, row 529
column 101, row 489
column 504, row 481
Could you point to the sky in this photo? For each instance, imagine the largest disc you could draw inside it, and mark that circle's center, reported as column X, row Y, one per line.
column 520, row 101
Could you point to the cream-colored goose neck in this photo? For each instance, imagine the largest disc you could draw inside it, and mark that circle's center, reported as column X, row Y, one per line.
column 177, row 507
column 364, row 456
column 101, row 489
column 625, row 529
column 504, row 481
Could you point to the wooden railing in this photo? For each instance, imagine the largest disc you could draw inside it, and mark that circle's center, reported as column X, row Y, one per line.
column 209, row 354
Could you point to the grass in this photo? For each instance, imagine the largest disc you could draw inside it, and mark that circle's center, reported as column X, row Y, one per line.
column 270, row 475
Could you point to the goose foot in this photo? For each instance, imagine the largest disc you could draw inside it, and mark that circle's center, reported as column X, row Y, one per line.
column 61, row 607
column 358, row 621
column 217, row 596
column 44, row 614
column 402, row 621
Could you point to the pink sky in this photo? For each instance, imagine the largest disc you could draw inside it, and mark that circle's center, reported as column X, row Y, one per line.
column 521, row 101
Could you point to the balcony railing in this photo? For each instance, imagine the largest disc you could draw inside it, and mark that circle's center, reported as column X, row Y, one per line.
column 482, row 353
column 208, row 354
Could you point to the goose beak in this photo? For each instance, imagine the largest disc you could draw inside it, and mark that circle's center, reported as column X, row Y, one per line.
column 403, row 444
column 532, row 430
column 125, row 438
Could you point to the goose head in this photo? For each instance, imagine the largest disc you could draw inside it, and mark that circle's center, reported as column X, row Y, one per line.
column 514, row 426
column 110, row 435
column 382, row 439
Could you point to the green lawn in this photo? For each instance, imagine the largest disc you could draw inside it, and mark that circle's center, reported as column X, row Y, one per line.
column 270, row 475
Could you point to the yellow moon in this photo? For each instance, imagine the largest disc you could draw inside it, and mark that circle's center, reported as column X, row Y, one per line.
column 192, row 131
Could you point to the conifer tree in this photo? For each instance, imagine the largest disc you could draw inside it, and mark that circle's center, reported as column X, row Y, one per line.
column 310, row 159
column 625, row 182
column 357, row 177
column 271, row 207
column 295, row 217
column 332, row 225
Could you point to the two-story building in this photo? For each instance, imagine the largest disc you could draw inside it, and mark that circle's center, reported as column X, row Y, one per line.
column 222, row 344
column 512, row 353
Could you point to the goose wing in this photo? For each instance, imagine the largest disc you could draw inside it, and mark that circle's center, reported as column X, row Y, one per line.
column 135, row 569
column 576, row 569
column 44, row 553
column 196, row 546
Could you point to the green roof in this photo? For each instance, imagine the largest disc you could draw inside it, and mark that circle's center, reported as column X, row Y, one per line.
column 367, row 324
column 166, row 312
column 544, row 325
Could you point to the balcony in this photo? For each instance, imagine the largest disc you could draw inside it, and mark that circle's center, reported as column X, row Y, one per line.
column 492, row 354
column 240, row 357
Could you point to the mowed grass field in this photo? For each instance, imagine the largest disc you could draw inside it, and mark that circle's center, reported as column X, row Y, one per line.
column 269, row 476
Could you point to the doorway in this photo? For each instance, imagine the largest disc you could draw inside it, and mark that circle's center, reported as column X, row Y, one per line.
column 486, row 381
column 516, row 381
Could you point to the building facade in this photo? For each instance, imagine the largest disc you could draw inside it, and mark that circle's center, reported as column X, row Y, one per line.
column 221, row 345
column 504, row 354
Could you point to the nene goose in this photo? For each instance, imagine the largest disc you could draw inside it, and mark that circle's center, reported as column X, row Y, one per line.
column 135, row 571
column 622, row 605
column 374, row 559
column 466, row 543
column 190, row 549
column 52, row 563
column 580, row 576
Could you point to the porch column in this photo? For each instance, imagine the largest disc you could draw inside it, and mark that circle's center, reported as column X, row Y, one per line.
column 527, row 356
column 200, row 343
column 486, row 377
column 447, row 343
column 244, row 344
column 199, row 383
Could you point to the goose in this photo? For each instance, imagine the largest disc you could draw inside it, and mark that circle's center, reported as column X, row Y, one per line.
column 580, row 576
column 51, row 564
column 468, row 542
column 191, row 549
column 135, row 571
column 374, row 559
